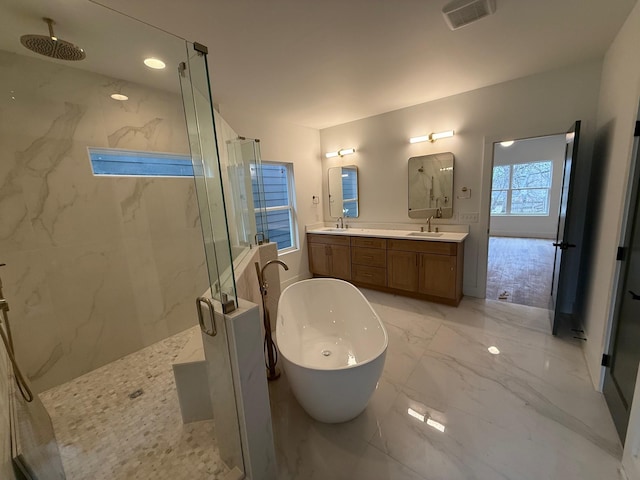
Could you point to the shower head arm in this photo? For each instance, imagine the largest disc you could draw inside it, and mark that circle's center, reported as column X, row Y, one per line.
column 50, row 23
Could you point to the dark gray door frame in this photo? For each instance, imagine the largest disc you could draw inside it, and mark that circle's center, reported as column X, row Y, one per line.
column 619, row 408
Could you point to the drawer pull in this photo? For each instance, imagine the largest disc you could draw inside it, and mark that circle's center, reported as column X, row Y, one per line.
column 366, row 275
column 367, row 256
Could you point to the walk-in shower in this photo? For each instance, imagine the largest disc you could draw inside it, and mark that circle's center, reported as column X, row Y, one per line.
column 102, row 267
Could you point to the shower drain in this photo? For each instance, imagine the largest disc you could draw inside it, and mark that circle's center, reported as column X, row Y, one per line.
column 326, row 353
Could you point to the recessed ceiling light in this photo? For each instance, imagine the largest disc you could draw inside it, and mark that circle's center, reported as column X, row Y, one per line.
column 154, row 63
column 119, row 96
column 508, row 143
column 493, row 350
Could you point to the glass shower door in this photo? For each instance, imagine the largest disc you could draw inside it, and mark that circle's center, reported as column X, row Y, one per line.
column 221, row 298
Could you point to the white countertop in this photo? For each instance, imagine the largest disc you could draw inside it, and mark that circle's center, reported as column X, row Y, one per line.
column 404, row 234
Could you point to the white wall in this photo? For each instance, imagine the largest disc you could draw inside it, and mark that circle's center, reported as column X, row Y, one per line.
column 525, row 151
column 538, row 105
column 617, row 113
column 285, row 142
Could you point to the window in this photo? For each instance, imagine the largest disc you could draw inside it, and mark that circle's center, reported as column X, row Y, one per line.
column 521, row 189
column 111, row 161
column 277, row 180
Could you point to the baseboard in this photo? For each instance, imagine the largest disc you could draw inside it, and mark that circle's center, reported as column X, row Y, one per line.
column 473, row 292
column 537, row 235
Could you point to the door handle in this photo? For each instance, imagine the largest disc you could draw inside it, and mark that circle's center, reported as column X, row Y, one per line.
column 634, row 296
column 199, row 301
column 564, row 245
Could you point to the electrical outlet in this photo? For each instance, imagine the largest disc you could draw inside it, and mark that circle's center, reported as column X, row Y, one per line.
column 469, row 217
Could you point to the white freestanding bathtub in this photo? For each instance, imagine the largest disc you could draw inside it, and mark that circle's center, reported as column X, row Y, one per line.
column 333, row 346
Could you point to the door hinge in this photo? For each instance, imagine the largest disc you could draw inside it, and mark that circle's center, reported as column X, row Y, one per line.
column 622, row 252
column 606, row 360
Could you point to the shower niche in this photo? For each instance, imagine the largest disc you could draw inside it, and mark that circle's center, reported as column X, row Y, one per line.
column 431, row 186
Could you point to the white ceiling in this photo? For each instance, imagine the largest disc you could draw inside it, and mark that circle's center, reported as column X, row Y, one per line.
column 324, row 62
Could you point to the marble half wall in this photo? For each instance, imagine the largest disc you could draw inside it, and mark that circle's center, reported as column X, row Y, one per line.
column 97, row 267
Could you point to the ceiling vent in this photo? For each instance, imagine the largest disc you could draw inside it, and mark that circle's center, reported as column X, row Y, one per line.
column 459, row 13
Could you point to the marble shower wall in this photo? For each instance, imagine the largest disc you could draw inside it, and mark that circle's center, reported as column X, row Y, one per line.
column 97, row 267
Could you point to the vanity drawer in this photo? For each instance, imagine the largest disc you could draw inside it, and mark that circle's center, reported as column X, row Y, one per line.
column 424, row 246
column 372, row 257
column 369, row 275
column 370, row 242
column 328, row 239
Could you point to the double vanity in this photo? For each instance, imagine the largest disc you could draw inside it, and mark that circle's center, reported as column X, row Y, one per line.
column 427, row 265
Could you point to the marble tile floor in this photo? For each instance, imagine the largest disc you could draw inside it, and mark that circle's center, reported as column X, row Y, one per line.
column 528, row 413
column 522, row 267
column 104, row 434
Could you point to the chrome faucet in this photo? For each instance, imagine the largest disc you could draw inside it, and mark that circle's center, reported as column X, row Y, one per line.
column 340, row 223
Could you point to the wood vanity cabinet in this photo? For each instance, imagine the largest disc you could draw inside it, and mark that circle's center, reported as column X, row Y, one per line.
column 432, row 269
column 330, row 256
column 425, row 269
column 402, row 270
column 369, row 261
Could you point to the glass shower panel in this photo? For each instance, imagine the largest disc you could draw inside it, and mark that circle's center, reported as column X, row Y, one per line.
column 208, row 175
column 241, row 201
column 249, row 211
column 194, row 80
column 260, row 199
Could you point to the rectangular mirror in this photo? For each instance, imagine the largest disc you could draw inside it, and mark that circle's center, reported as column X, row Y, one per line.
column 431, row 186
column 343, row 192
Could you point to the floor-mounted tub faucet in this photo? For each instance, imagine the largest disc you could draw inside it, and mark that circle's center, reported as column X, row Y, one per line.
column 269, row 346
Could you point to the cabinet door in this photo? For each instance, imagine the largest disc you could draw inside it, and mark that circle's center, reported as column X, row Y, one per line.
column 340, row 261
column 402, row 270
column 438, row 275
column 319, row 259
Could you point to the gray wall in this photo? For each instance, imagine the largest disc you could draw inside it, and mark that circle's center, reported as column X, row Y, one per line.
column 96, row 267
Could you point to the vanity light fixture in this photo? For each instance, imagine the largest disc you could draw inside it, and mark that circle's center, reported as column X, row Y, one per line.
column 154, row 63
column 119, row 97
column 340, row 153
column 508, row 143
column 432, row 137
column 437, row 136
column 421, row 138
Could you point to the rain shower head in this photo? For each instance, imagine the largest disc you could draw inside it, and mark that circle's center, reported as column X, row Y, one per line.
column 52, row 46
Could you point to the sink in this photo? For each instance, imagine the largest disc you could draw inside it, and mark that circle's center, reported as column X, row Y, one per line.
column 425, row 234
column 327, row 229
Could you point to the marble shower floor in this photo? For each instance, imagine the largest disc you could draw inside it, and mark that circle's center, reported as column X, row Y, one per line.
column 522, row 267
column 529, row 413
column 104, row 434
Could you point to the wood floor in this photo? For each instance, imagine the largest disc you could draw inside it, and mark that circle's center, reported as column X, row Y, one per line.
column 520, row 270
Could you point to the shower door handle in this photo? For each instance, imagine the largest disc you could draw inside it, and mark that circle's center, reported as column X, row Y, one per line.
column 199, row 301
